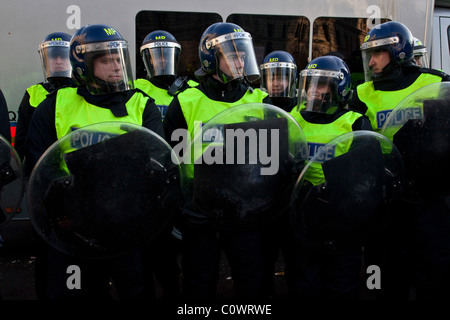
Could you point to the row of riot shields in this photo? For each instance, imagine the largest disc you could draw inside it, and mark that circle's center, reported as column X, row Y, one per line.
column 108, row 188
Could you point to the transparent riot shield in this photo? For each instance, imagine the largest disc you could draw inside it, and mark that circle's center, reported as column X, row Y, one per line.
column 103, row 190
column 241, row 165
column 12, row 181
column 340, row 197
column 419, row 126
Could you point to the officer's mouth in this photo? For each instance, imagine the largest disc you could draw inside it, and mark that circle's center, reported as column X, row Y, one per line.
column 116, row 77
column 376, row 71
column 277, row 90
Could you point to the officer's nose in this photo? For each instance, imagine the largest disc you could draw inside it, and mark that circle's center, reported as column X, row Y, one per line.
column 372, row 61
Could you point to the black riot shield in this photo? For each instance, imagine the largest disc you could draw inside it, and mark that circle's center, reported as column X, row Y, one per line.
column 420, row 128
column 104, row 190
column 12, row 182
column 243, row 165
column 339, row 199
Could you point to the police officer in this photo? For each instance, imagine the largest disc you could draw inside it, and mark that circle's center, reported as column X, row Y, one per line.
column 5, row 129
column 420, row 53
column 100, row 63
column 227, row 61
column 54, row 56
column 324, row 92
column 161, row 52
column 279, row 79
column 391, row 74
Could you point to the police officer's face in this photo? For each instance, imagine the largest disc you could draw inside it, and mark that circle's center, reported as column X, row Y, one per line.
column 379, row 59
column 58, row 64
column 278, row 84
column 232, row 64
column 108, row 68
column 418, row 60
column 319, row 92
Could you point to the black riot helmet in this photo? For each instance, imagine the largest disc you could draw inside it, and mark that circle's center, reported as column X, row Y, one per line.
column 54, row 56
column 227, row 46
column 324, row 85
column 100, row 59
column 392, row 37
column 279, row 74
column 160, row 52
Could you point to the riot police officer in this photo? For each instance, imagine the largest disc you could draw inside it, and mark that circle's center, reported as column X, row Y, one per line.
column 279, row 79
column 100, row 64
column 390, row 76
column 390, row 73
column 228, row 62
column 420, row 53
column 160, row 53
column 54, row 56
column 324, row 92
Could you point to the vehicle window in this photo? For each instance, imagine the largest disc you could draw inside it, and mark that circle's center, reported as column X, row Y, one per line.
column 186, row 27
column 289, row 33
column 448, row 39
column 273, row 32
column 341, row 36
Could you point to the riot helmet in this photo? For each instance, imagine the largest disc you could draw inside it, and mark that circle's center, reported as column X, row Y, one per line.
column 54, row 56
column 386, row 47
column 279, row 74
column 324, row 85
column 420, row 53
column 100, row 59
column 226, row 50
column 160, row 52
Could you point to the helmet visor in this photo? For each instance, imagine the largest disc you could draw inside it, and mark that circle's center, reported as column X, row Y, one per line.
column 421, row 57
column 161, row 58
column 55, row 59
column 235, row 57
column 318, row 90
column 376, row 56
column 278, row 79
column 109, row 67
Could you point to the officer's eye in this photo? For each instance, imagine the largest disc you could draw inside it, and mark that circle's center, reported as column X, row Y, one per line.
column 377, row 52
column 235, row 57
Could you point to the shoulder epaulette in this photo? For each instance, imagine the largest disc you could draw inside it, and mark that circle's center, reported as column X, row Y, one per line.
column 435, row 72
